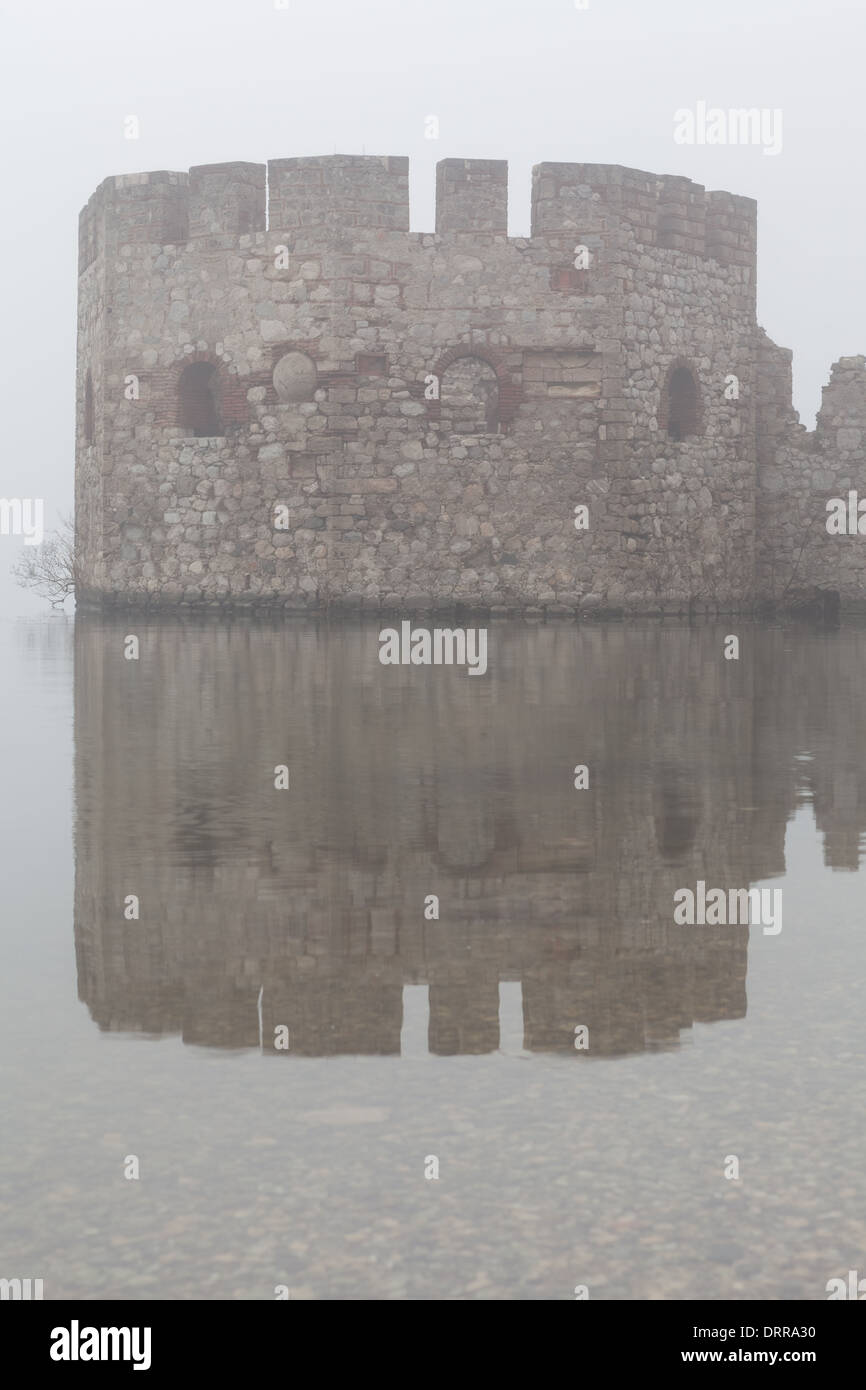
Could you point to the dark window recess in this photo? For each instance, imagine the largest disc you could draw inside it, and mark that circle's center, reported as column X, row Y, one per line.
column 199, row 392
column 683, row 404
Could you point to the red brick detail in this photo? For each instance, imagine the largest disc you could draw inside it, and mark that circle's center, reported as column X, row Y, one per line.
column 371, row 364
column 233, row 399
column 309, row 346
column 568, row 278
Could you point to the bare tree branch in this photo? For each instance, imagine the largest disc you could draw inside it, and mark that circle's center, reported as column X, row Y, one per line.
column 49, row 569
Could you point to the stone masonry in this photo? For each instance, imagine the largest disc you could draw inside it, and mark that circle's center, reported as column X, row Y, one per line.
column 287, row 399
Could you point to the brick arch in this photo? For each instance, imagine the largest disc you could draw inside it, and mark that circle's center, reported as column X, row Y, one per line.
column 507, row 389
column 680, row 408
column 231, row 403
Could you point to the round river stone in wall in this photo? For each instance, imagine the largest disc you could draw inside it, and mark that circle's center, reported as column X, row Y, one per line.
column 295, row 377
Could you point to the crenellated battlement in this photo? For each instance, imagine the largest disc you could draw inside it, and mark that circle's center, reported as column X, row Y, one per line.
column 665, row 211
column 336, row 195
column 334, row 192
column 227, row 200
column 137, row 209
column 472, row 196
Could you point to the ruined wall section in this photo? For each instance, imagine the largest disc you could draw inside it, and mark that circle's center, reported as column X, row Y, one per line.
column 799, row 473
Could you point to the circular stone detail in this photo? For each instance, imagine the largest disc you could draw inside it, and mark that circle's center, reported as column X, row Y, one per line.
column 295, row 377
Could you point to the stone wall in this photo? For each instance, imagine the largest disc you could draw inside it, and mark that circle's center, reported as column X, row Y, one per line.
column 411, row 419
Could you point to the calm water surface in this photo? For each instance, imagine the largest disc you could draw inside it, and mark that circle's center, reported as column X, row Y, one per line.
column 304, row 910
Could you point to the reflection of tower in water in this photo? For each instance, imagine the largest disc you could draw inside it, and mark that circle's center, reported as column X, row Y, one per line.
column 305, row 908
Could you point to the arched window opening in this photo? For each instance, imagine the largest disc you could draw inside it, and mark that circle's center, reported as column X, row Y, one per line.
column 88, row 409
column 199, row 400
column 469, row 396
column 683, row 404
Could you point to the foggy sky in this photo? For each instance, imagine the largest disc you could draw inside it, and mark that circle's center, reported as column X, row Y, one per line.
column 217, row 80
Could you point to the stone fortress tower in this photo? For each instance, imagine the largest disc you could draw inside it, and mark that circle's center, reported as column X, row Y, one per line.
column 285, row 398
